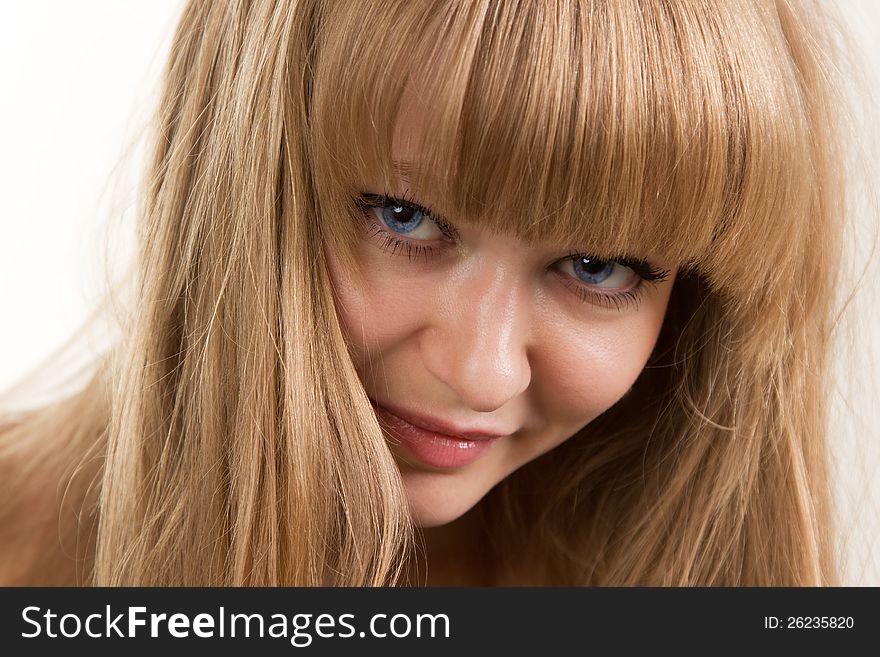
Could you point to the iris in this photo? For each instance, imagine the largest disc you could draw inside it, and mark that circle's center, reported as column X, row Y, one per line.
column 592, row 271
column 402, row 219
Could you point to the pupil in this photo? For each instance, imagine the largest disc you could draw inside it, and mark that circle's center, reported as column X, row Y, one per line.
column 593, row 266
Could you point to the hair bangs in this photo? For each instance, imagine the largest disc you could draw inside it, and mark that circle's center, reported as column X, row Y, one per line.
column 625, row 128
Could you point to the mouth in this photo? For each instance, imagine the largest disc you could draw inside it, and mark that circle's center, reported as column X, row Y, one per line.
column 431, row 446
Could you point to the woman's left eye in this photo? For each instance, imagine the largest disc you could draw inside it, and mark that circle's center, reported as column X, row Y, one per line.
column 606, row 274
column 610, row 283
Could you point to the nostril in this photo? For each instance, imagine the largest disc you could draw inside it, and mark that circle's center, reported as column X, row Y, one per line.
column 482, row 378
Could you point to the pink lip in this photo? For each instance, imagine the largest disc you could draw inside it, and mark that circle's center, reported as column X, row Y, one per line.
column 433, row 442
column 442, row 427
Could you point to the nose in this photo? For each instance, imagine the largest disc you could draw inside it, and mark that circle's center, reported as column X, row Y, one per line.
column 477, row 343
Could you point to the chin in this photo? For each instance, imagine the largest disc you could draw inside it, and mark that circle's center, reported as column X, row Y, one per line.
column 437, row 499
column 435, row 517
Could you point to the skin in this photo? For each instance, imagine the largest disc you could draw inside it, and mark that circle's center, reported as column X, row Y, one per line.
column 486, row 331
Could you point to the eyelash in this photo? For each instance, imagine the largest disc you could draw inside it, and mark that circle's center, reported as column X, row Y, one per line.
column 646, row 273
column 392, row 242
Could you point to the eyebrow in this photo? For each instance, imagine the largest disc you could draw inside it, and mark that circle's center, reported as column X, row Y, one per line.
column 412, row 174
column 405, row 169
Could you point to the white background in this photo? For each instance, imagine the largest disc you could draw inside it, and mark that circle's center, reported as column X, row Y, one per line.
column 78, row 80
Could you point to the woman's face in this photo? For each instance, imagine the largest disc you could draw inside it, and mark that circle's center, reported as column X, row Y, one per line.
column 480, row 352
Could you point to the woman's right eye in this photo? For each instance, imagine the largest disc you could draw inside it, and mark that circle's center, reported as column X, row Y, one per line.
column 402, row 218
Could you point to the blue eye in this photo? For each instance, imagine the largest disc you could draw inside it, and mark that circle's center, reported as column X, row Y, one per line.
column 608, row 282
column 592, row 271
column 398, row 217
column 401, row 218
column 606, row 274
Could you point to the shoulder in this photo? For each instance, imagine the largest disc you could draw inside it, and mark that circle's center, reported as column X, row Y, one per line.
column 32, row 552
column 14, row 512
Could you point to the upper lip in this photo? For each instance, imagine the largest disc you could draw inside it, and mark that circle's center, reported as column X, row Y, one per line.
column 443, row 427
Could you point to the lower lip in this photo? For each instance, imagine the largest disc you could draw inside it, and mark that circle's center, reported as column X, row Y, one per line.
column 434, row 449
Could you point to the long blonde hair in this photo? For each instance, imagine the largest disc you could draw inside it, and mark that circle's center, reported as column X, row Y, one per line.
column 226, row 438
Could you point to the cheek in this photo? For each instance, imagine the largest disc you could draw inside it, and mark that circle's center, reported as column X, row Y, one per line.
column 377, row 311
column 351, row 304
column 588, row 369
column 581, row 363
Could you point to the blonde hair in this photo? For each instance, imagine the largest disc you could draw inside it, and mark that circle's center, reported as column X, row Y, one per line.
column 227, row 440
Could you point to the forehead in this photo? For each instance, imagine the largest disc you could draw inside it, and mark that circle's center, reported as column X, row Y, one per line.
column 620, row 128
column 409, row 131
column 413, row 167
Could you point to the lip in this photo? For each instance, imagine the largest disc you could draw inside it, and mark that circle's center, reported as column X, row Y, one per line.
column 434, row 442
column 448, row 429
